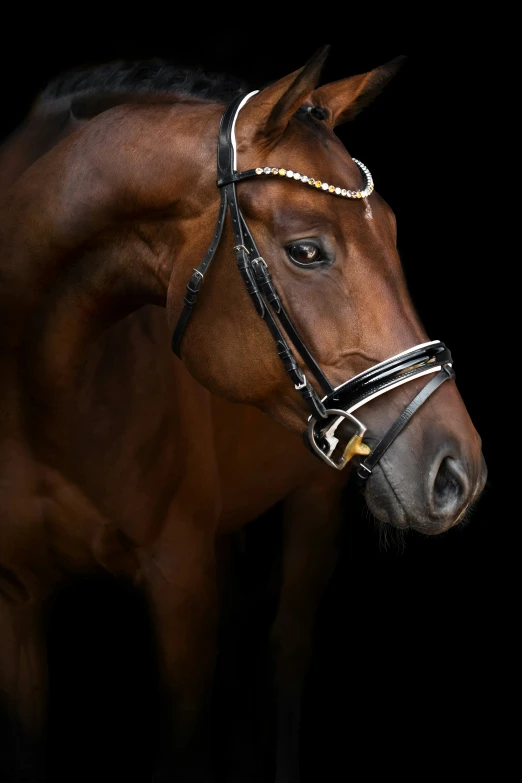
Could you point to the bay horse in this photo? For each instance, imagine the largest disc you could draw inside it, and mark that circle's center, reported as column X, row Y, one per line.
column 117, row 456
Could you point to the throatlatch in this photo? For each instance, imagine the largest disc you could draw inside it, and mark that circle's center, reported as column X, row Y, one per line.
column 338, row 404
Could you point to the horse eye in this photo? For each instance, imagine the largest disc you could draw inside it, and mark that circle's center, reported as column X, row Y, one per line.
column 304, row 253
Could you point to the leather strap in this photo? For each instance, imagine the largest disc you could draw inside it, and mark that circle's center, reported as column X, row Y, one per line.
column 225, row 164
column 196, row 281
column 365, row 468
column 385, row 373
column 256, row 271
column 269, row 290
column 246, row 268
column 255, row 274
column 237, row 176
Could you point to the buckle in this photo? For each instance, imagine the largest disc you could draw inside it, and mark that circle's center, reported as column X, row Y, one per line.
column 364, row 476
column 195, row 281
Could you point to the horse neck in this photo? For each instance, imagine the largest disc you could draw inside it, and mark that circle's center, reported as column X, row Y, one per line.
column 52, row 120
column 101, row 217
column 34, row 138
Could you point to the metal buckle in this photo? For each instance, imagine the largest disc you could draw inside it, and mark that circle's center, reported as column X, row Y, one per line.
column 364, row 476
column 302, row 385
column 354, row 446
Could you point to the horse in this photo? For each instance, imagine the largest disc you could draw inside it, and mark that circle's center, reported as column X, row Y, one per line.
column 106, row 439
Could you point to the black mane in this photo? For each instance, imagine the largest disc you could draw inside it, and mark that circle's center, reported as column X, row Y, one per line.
column 143, row 77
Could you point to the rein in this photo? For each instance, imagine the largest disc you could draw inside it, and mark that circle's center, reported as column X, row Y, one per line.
column 337, row 404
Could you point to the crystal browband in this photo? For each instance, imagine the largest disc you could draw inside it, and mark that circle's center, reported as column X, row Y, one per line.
column 333, row 189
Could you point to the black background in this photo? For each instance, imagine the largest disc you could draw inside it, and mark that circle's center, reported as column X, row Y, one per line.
column 413, row 641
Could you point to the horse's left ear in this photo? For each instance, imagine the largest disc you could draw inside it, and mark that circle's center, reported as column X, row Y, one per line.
column 269, row 112
column 346, row 98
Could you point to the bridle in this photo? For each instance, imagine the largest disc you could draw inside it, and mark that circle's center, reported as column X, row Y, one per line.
column 337, row 404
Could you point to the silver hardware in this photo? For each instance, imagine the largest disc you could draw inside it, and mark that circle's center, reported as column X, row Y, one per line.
column 199, row 273
column 238, row 247
column 302, row 385
column 333, row 441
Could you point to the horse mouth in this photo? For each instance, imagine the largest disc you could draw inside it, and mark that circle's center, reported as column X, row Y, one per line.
column 383, row 501
column 400, row 504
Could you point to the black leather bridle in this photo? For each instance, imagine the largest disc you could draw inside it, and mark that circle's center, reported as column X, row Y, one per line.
column 338, row 403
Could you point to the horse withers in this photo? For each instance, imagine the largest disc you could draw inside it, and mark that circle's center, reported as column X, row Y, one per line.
column 116, row 455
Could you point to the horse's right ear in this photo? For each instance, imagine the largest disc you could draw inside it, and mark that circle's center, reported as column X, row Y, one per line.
column 268, row 113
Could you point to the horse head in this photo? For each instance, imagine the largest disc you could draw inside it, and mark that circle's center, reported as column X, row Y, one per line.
column 329, row 241
column 135, row 188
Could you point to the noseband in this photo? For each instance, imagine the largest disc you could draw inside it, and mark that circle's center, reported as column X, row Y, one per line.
column 338, row 404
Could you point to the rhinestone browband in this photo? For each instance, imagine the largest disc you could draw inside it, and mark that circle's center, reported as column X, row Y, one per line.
column 335, row 191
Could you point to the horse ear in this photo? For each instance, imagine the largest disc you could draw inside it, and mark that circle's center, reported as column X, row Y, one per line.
column 346, row 98
column 270, row 111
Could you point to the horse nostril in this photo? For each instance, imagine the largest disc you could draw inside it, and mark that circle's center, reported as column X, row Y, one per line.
column 450, row 488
